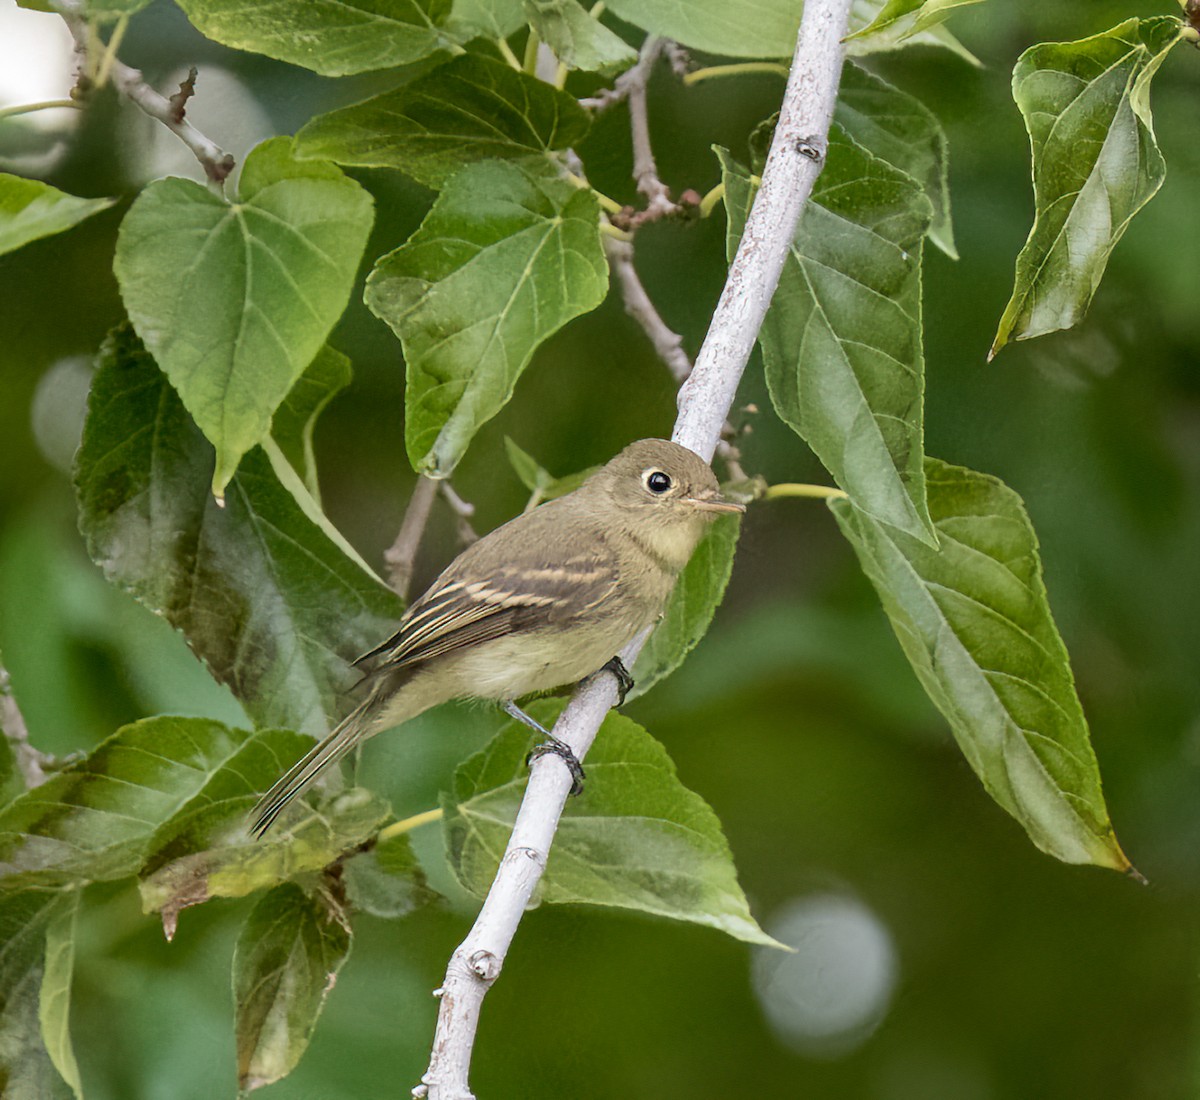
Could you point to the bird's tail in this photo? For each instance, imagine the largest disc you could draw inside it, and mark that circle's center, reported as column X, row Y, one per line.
column 355, row 728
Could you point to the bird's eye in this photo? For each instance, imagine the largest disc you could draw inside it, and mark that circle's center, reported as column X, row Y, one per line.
column 657, row 481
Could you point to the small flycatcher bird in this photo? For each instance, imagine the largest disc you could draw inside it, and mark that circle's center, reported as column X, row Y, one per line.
column 544, row 600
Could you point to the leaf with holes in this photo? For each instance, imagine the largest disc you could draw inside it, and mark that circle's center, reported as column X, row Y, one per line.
column 974, row 621
column 505, row 258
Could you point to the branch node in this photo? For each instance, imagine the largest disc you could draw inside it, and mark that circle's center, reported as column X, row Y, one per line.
column 485, row 966
column 812, row 147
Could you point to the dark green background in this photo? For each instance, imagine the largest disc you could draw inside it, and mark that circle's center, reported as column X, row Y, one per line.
column 797, row 718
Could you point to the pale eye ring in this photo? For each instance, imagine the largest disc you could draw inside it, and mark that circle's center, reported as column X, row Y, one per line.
column 657, row 481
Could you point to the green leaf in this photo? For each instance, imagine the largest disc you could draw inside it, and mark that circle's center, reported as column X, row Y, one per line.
column 905, row 18
column 1096, row 163
column 95, row 820
column 901, row 130
column 485, row 18
column 235, row 299
column 578, row 40
column 287, row 959
column 842, row 342
column 505, row 258
column 974, row 621
column 268, row 598
column 635, row 839
column 694, row 601
column 30, row 209
column 387, row 881
column 468, row 110
column 331, row 37
column 206, row 852
column 26, row 1069
column 12, row 782
column 537, row 479
column 292, row 426
column 54, row 1001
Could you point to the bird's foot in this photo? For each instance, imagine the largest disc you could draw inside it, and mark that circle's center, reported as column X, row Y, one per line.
column 624, row 681
column 551, row 745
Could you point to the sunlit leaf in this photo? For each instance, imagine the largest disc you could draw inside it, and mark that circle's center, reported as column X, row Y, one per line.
column 485, row 18
column 842, row 341
column 30, row 209
column 274, row 602
column 974, row 621
column 505, row 258
column 1096, row 163
column 286, row 961
column 694, row 601
column 54, row 1002
column 235, row 299
column 905, row 18
column 294, row 420
column 578, row 40
column 468, row 110
column 387, row 881
column 635, row 839
column 331, row 37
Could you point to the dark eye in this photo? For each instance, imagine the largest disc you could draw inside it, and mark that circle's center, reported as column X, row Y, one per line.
column 657, row 481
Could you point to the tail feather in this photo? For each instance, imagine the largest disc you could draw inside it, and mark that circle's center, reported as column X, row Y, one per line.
column 351, row 731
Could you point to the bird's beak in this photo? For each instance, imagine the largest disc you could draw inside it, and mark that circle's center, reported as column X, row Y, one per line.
column 714, row 504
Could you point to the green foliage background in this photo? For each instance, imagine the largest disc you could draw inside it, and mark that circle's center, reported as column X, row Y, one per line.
column 796, row 718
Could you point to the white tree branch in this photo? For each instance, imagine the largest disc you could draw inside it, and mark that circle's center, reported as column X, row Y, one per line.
column 797, row 154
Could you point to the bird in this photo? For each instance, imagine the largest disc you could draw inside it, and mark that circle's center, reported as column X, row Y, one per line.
column 545, row 600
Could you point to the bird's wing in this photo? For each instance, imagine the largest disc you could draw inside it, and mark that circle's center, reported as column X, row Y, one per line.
column 458, row 611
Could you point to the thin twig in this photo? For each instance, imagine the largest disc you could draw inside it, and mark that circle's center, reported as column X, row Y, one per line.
column 30, row 762
column 401, row 556
column 217, row 164
column 797, row 154
column 464, row 510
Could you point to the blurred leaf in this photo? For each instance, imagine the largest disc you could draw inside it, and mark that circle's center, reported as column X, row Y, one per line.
column 842, row 340
column 694, row 601
column 387, row 881
column 901, row 130
column 974, row 621
column 578, row 40
column 485, row 18
column 1096, row 163
column 12, row 782
column 54, row 1002
column 505, row 258
column 898, row 35
column 292, row 426
column 206, row 852
column 468, row 110
column 94, row 821
column 908, row 17
column 635, row 839
column 286, row 961
column 101, row 10
column 30, row 209
column 235, row 299
column 26, row 1069
column 271, row 601
column 331, row 37
column 539, row 480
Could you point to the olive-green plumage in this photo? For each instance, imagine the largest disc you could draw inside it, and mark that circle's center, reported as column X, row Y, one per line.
column 544, row 600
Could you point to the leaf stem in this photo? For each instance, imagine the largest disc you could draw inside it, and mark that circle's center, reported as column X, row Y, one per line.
column 611, row 205
column 531, row 52
column 44, row 105
column 110, row 51
column 710, row 200
column 741, row 68
column 399, row 828
column 506, row 51
column 796, row 489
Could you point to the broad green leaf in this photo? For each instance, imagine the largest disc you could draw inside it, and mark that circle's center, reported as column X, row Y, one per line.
column 1096, row 163
column 206, row 851
column 901, row 130
column 30, row 209
column 909, row 17
column 387, row 881
column 537, row 479
column 268, row 598
column 287, row 959
column 54, row 1002
column 694, row 601
column 842, row 340
column 331, row 37
column 468, row 110
column 578, row 40
column 635, row 839
column 505, row 258
column 974, row 621
column 95, row 820
column 26, row 1069
column 485, row 18
column 292, row 425
column 235, row 299
column 898, row 35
